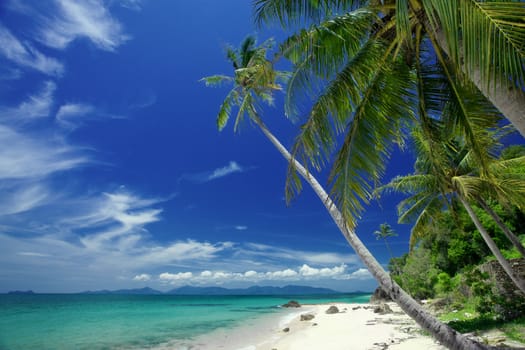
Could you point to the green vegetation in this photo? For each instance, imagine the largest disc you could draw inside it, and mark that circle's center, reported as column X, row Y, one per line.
column 444, row 265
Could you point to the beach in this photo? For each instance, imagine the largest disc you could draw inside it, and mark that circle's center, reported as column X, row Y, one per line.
column 354, row 326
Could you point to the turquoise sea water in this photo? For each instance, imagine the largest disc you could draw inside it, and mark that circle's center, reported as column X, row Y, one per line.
column 69, row 321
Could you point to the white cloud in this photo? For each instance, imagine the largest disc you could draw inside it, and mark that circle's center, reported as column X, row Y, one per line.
column 142, row 277
column 303, row 273
column 30, row 157
column 68, row 113
column 36, row 106
column 308, row 271
column 241, row 227
column 283, row 274
column 231, row 168
column 24, row 54
column 250, row 274
column 360, row 274
column 135, row 5
column 19, row 199
column 175, row 277
column 88, row 19
column 263, row 251
column 73, row 115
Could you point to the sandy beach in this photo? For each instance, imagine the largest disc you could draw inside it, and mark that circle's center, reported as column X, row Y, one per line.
column 355, row 327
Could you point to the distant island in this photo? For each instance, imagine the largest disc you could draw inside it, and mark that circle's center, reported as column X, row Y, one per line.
column 21, row 292
column 255, row 290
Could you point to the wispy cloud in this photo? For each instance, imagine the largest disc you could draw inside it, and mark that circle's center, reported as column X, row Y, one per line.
column 24, row 54
column 18, row 199
column 73, row 115
column 88, row 19
column 207, row 176
column 30, row 157
column 241, row 227
column 135, row 5
column 268, row 253
column 229, row 169
column 35, row 106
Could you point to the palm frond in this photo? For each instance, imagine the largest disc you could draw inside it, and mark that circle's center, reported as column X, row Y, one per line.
column 216, row 80
column 289, row 13
column 225, row 109
column 403, row 28
column 376, row 123
column 491, row 39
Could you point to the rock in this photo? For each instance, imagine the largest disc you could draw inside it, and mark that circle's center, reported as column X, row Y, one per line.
column 382, row 309
column 379, row 296
column 287, row 329
column 356, row 307
column 314, row 324
column 332, row 310
column 292, row 303
column 307, row 317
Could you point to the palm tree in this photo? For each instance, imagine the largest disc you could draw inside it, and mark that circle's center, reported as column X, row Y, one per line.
column 456, row 178
column 385, row 231
column 480, row 41
column 245, row 93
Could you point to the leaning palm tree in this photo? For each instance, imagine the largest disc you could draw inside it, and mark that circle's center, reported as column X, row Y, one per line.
column 457, row 178
column 477, row 40
column 246, row 92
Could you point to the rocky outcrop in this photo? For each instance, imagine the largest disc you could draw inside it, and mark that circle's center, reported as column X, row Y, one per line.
column 292, row 303
column 501, row 280
column 512, row 300
column 332, row 310
column 379, row 296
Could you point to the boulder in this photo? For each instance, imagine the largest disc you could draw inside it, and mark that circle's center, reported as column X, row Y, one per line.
column 382, row 309
column 286, row 330
column 307, row 317
column 292, row 303
column 332, row 310
column 379, row 296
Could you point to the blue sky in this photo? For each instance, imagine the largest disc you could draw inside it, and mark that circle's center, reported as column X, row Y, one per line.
column 113, row 174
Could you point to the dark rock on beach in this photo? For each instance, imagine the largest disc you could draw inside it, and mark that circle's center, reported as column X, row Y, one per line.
column 307, row 317
column 292, row 303
column 379, row 296
column 382, row 309
column 332, row 310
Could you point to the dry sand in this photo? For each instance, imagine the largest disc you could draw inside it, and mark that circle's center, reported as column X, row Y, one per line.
column 355, row 327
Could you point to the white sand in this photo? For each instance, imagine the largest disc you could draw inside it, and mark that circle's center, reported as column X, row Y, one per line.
column 355, row 327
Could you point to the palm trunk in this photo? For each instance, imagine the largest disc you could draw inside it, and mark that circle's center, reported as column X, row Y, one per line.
column 508, row 233
column 510, row 101
column 440, row 331
column 388, row 247
column 519, row 282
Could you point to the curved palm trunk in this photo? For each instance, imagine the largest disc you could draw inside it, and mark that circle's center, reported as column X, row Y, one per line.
column 440, row 331
column 509, row 101
column 508, row 233
column 519, row 282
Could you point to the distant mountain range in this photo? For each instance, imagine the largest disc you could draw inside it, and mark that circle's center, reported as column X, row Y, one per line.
column 255, row 290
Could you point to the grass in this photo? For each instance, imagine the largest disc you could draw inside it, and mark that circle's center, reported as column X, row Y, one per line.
column 466, row 320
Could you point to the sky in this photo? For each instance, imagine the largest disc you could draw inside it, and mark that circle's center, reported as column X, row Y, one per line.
column 113, row 174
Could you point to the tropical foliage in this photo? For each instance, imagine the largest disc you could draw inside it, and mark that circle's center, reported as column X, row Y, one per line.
column 370, row 67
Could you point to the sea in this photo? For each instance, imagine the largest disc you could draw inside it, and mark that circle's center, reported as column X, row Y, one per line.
column 174, row 322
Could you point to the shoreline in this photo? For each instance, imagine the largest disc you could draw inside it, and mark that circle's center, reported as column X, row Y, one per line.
column 355, row 326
